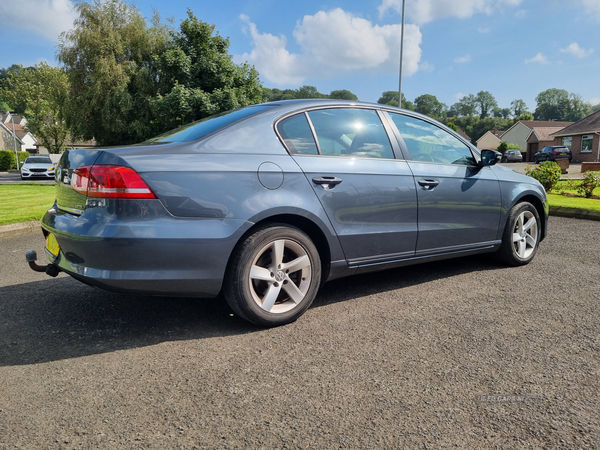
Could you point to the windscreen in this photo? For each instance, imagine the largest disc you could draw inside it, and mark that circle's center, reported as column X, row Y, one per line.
column 201, row 128
column 38, row 160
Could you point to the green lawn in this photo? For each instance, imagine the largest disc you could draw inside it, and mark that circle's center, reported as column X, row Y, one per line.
column 574, row 202
column 25, row 202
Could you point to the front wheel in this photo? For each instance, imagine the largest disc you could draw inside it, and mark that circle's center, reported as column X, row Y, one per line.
column 521, row 236
column 274, row 276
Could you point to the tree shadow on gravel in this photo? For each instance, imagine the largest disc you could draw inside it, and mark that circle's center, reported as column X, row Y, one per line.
column 62, row 318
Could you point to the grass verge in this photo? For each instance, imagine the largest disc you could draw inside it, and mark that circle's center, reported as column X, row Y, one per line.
column 25, row 202
column 564, row 201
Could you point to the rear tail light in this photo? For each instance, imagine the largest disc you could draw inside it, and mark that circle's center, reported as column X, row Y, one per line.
column 106, row 181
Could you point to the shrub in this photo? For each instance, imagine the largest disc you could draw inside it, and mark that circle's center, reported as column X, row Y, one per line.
column 514, row 146
column 590, row 181
column 502, row 147
column 547, row 173
column 7, row 159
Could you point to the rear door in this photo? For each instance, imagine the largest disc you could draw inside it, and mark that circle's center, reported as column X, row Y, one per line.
column 368, row 194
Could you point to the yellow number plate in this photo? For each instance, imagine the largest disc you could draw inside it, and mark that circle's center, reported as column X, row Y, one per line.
column 52, row 245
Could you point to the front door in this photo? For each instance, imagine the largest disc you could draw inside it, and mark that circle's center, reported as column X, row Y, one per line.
column 368, row 195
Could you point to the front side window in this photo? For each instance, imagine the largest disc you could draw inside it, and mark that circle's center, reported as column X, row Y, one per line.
column 351, row 132
column 429, row 143
column 586, row 143
column 567, row 141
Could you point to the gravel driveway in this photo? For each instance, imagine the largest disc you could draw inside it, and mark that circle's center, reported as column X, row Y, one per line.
column 460, row 354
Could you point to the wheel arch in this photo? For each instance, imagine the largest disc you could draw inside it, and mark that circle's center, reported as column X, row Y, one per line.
column 304, row 224
column 539, row 206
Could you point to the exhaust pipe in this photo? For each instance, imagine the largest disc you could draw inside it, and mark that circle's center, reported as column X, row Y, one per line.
column 50, row 269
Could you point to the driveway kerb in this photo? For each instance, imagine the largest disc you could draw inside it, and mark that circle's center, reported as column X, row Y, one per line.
column 16, row 229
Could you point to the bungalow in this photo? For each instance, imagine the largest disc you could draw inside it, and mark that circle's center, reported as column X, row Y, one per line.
column 582, row 137
column 7, row 141
column 491, row 139
column 539, row 138
column 28, row 140
column 520, row 132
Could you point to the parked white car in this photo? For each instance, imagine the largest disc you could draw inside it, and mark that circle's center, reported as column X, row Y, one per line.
column 37, row 166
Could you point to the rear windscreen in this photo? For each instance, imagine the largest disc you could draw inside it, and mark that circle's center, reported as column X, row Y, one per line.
column 201, row 128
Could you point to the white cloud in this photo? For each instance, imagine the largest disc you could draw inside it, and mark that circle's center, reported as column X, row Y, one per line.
column 426, row 66
column 458, row 96
column 592, row 6
column 576, row 50
column 539, row 58
column 463, row 59
column 46, row 17
column 423, row 11
column 332, row 43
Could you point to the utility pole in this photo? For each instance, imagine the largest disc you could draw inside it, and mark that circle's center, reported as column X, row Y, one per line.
column 14, row 139
column 401, row 51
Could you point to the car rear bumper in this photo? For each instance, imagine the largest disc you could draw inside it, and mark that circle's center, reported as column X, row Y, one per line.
column 132, row 254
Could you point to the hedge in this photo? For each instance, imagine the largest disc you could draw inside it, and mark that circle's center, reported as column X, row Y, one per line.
column 7, row 159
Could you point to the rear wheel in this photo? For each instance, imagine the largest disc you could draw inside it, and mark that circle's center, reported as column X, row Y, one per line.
column 273, row 276
column 521, row 236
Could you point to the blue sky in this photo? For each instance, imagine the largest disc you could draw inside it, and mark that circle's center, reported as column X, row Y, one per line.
column 512, row 48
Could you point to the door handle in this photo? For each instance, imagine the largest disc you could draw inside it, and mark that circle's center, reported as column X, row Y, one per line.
column 327, row 182
column 428, row 184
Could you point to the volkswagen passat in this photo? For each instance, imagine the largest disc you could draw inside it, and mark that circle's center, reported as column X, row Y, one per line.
column 265, row 203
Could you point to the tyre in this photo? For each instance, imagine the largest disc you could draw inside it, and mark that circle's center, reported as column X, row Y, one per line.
column 521, row 236
column 273, row 276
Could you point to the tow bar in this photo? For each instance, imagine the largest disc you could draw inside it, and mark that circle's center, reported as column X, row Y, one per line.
column 50, row 269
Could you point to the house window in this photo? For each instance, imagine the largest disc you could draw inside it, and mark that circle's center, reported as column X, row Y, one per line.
column 567, row 141
column 586, row 143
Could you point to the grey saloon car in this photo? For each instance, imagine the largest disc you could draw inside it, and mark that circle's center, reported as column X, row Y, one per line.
column 265, row 203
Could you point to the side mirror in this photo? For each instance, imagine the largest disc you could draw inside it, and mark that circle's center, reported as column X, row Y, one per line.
column 489, row 157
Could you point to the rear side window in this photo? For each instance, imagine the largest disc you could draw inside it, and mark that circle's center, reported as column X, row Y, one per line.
column 351, row 132
column 297, row 135
column 429, row 143
column 201, row 128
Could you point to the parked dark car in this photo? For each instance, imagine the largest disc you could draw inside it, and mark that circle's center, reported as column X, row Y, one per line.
column 552, row 153
column 512, row 156
column 264, row 203
column 37, row 166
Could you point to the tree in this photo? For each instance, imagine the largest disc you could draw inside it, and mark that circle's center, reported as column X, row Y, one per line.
column 130, row 81
column 525, row 116
column 42, row 95
column 198, row 77
column 391, row 98
column 486, row 103
column 428, row 104
column 501, row 112
column 466, row 106
column 577, row 108
column 518, row 107
column 343, row 94
column 558, row 104
column 551, row 104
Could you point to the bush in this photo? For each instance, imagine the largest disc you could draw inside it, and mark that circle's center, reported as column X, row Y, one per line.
column 502, row 147
column 590, row 181
column 7, row 159
column 514, row 146
column 547, row 173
